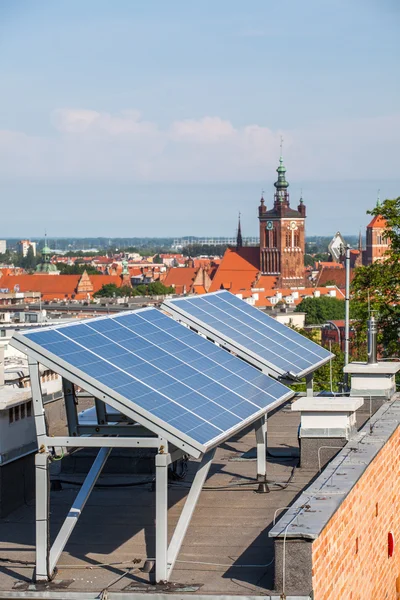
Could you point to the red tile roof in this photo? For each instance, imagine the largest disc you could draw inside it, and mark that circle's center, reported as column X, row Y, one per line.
column 57, row 287
column 335, row 276
column 238, row 270
column 181, row 278
column 377, row 222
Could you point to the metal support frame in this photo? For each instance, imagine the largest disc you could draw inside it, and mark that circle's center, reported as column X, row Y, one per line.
column 77, row 507
column 101, row 412
column 310, row 384
column 260, row 427
column 166, row 555
column 43, row 572
column 70, row 407
column 261, row 440
column 188, row 510
column 347, row 318
column 162, row 516
column 46, row 556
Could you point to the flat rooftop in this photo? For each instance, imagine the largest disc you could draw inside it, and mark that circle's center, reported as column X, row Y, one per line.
column 226, row 549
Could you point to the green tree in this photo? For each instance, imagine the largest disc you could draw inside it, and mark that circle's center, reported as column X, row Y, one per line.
column 108, row 290
column 320, row 310
column 309, row 260
column 376, row 287
column 157, row 260
column 331, row 372
column 76, row 269
column 29, row 262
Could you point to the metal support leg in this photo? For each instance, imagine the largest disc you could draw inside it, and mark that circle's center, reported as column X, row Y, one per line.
column 101, row 412
column 70, row 408
column 38, row 408
column 43, row 572
column 188, row 509
column 78, row 506
column 261, row 439
column 162, row 461
column 310, row 385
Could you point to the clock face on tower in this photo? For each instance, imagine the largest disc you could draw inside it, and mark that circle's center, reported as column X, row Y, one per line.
column 293, row 225
column 270, row 225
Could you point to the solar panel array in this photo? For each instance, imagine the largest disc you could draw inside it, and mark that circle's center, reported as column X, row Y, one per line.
column 246, row 327
column 166, row 370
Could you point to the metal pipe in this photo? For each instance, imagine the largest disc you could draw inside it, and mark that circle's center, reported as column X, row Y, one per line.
column 372, row 334
column 347, row 316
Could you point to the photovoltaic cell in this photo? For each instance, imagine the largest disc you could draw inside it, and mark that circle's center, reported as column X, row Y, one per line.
column 165, row 370
column 251, row 330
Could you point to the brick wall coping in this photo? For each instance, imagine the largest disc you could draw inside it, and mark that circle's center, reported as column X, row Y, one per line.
column 314, row 508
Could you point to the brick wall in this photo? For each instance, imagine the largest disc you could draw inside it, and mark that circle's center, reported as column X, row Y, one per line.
column 350, row 557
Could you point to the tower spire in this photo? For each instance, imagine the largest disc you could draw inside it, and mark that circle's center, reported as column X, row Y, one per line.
column 281, row 184
column 360, row 242
column 378, row 200
column 239, row 239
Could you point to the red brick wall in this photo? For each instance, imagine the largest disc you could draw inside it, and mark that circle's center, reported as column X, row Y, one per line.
column 350, row 557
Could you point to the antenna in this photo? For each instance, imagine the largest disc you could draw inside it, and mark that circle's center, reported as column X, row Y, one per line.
column 281, row 144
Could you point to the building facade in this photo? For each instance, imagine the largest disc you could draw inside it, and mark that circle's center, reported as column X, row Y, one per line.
column 377, row 242
column 24, row 245
column 282, row 236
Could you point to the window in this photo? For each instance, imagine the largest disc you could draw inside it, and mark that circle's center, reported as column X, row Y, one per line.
column 11, row 415
column 296, row 239
column 22, row 411
column 29, row 409
column 16, row 413
column 2, row 333
column 288, row 239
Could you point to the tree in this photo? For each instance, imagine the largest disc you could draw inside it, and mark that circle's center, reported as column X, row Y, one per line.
column 76, row 269
column 320, row 310
column 376, row 287
column 29, row 261
column 157, row 260
column 330, row 373
column 108, row 290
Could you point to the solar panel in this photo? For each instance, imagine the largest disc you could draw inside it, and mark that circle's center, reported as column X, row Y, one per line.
column 171, row 375
column 251, row 333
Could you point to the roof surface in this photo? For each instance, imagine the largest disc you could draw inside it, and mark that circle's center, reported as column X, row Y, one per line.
column 238, row 270
column 377, row 222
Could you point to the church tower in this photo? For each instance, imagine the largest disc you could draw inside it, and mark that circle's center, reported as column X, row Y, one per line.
column 377, row 242
column 282, row 235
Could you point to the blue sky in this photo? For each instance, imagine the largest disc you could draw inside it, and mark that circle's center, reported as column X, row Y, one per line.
column 164, row 118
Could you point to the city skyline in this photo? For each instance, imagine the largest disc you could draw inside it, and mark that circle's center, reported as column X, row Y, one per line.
column 166, row 119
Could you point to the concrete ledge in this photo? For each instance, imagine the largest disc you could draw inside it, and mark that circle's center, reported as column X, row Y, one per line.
column 315, row 506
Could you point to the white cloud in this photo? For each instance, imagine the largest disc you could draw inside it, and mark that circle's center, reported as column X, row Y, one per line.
column 98, row 145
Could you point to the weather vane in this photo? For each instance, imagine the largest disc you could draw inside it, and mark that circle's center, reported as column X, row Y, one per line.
column 281, row 143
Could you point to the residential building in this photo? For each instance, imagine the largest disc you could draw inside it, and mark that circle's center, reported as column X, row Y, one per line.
column 24, row 245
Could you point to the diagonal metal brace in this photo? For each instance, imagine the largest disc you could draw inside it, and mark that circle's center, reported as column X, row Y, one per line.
column 188, row 509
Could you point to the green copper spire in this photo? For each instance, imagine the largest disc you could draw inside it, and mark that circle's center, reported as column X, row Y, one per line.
column 281, row 184
column 378, row 200
column 125, row 270
column 45, row 266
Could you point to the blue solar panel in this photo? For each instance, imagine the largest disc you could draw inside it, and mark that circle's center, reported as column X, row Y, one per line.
column 167, row 370
column 252, row 330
